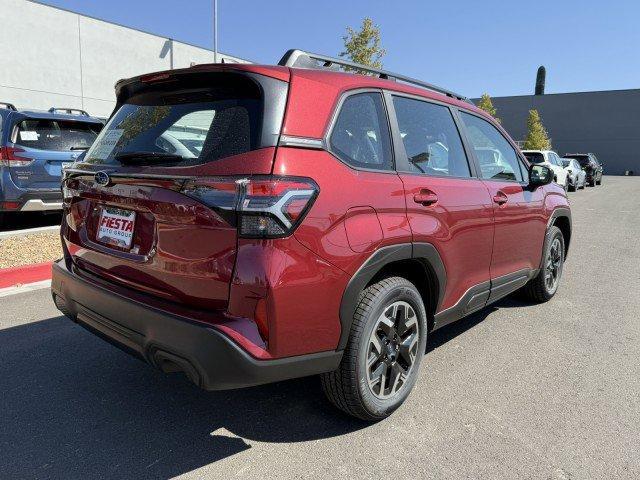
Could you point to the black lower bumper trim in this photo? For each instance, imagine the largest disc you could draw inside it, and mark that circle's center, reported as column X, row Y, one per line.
column 208, row 357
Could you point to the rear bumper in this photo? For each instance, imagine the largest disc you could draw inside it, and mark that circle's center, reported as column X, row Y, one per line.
column 207, row 356
column 39, row 205
column 36, row 200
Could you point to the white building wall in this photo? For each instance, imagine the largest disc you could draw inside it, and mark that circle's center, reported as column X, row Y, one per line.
column 65, row 59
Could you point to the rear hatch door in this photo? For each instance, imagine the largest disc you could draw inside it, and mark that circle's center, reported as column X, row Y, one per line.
column 133, row 218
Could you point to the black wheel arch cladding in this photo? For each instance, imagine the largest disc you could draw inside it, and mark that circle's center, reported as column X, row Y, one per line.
column 424, row 255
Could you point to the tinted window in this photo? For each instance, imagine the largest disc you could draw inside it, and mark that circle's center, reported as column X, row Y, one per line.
column 496, row 157
column 534, row 157
column 360, row 136
column 430, row 137
column 198, row 120
column 583, row 160
column 56, row 135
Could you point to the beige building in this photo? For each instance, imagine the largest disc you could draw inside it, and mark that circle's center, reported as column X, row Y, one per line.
column 71, row 60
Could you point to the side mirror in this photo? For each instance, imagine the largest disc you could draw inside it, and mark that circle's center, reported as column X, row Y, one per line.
column 540, row 175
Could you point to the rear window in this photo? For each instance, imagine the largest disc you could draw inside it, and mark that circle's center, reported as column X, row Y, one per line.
column 534, row 157
column 58, row 135
column 187, row 123
column 583, row 160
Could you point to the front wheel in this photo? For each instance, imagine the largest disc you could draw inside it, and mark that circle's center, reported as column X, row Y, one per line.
column 543, row 286
column 382, row 358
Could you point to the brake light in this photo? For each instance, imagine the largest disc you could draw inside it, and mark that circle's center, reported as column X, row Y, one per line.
column 8, row 157
column 260, row 207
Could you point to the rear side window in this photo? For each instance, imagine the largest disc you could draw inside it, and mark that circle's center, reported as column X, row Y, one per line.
column 360, row 136
column 430, row 137
column 58, row 135
column 496, row 157
column 192, row 121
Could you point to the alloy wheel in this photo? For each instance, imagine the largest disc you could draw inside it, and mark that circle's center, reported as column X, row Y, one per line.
column 392, row 349
column 553, row 265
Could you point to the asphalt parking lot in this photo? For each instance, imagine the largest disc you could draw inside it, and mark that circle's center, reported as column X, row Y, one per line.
column 515, row 391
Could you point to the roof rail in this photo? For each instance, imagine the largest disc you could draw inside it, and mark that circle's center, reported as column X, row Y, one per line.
column 8, row 106
column 70, row 111
column 302, row 59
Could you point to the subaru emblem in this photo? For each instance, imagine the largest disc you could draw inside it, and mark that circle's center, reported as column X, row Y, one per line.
column 102, row 178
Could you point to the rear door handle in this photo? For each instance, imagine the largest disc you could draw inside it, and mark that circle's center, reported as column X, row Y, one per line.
column 500, row 197
column 426, row 197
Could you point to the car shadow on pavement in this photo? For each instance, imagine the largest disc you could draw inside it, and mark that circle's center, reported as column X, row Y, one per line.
column 22, row 220
column 443, row 335
column 74, row 406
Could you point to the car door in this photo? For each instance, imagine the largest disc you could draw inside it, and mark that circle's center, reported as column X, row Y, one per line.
column 519, row 217
column 447, row 205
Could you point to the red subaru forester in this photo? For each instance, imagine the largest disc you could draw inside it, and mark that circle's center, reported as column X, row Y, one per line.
column 246, row 224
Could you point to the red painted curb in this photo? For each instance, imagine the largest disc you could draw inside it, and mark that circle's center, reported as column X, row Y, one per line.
column 10, row 277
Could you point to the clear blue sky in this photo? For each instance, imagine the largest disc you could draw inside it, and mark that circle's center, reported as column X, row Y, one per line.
column 468, row 46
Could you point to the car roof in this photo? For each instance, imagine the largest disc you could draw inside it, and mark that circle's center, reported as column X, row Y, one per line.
column 341, row 79
column 45, row 115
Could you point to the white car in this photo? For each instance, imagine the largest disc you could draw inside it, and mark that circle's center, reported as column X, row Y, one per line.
column 576, row 176
column 550, row 159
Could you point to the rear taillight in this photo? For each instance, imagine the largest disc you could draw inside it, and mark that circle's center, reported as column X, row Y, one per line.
column 10, row 205
column 8, row 157
column 260, row 207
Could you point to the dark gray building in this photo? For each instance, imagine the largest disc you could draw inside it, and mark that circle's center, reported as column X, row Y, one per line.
column 605, row 123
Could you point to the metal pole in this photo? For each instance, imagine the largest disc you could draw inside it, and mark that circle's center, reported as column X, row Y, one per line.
column 215, row 31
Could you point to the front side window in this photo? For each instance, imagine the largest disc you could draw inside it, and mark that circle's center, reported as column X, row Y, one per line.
column 431, row 140
column 56, row 135
column 496, row 157
column 360, row 136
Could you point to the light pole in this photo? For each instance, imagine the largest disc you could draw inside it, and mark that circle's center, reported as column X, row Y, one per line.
column 215, row 31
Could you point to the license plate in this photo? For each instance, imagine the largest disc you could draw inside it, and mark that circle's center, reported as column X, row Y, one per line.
column 116, row 227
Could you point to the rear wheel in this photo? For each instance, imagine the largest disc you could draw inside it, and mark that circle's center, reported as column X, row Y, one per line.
column 544, row 286
column 381, row 362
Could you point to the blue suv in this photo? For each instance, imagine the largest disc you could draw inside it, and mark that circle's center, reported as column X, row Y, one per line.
column 34, row 146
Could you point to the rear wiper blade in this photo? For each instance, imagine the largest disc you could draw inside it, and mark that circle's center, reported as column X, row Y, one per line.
column 79, row 148
column 144, row 158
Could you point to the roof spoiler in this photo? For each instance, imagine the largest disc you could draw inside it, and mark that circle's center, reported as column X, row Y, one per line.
column 69, row 111
column 8, row 106
column 302, row 59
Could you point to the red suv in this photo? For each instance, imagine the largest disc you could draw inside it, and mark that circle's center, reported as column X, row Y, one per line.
column 246, row 224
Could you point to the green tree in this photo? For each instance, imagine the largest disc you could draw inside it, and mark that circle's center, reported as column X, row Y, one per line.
column 363, row 46
column 537, row 138
column 486, row 104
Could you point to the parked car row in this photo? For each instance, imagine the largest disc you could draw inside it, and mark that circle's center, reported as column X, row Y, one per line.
column 573, row 171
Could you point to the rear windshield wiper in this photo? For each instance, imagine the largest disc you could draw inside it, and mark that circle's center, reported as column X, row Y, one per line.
column 79, row 148
column 147, row 158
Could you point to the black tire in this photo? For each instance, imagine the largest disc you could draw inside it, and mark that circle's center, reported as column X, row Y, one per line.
column 349, row 387
column 592, row 183
column 599, row 182
column 539, row 289
column 574, row 187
